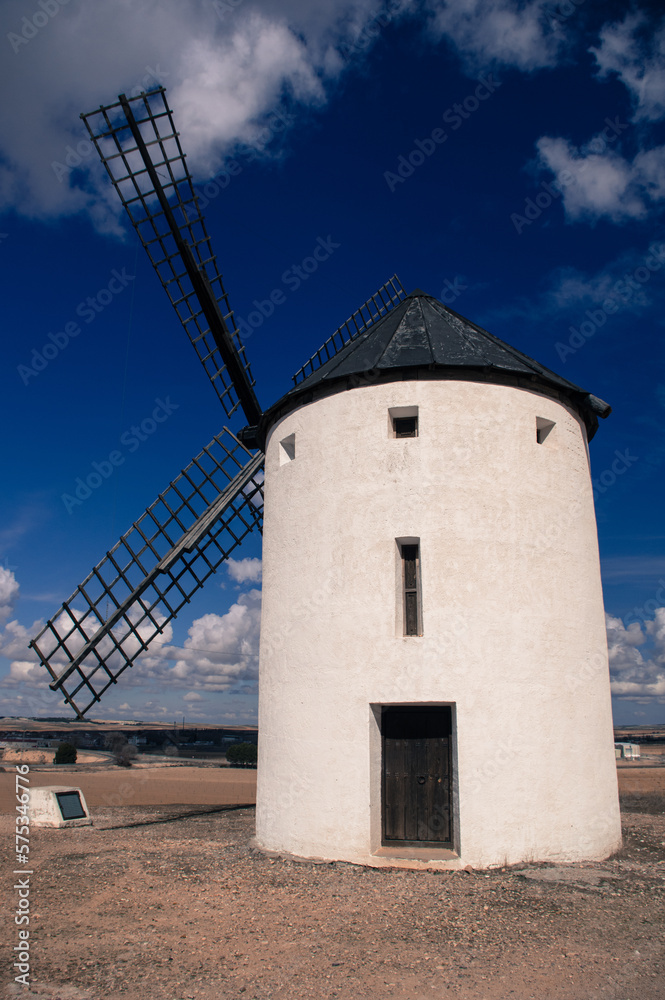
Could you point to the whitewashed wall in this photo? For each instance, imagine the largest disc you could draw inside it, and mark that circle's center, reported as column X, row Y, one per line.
column 512, row 618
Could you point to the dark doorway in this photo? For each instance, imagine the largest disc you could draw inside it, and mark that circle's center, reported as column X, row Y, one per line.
column 417, row 775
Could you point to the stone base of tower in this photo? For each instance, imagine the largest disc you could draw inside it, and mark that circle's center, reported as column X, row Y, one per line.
column 427, row 862
column 390, row 860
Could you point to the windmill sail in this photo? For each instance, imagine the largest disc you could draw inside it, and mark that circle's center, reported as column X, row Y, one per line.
column 138, row 144
column 153, row 571
column 383, row 300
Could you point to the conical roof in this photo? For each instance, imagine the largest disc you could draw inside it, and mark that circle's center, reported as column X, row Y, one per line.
column 422, row 337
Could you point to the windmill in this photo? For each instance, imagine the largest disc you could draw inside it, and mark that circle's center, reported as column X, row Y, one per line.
column 389, row 466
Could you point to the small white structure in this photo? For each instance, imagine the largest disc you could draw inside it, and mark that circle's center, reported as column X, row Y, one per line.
column 627, row 751
column 432, row 600
column 58, row 806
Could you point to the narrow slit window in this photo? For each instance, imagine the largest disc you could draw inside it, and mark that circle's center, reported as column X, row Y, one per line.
column 410, row 577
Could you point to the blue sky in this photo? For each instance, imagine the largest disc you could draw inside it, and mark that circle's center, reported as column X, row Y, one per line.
column 506, row 157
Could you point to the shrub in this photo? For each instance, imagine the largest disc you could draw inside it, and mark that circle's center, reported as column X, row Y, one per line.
column 242, row 753
column 123, row 751
column 65, row 754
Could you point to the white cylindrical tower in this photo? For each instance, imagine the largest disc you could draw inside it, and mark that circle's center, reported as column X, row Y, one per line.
column 434, row 685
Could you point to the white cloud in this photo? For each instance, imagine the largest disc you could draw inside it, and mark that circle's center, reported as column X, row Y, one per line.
column 225, row 92
column 627, row 568
column 605, row 184
column 245, row 570
column 221, row 650
column 635, row 52
column 8, row 592
column 650, row 170
column 226, row 67
column 24, row 671
column 29, row 702
column 598, row 180
column 498, row 32
column 28, row 673
column 633, row 675
column 130, row 642
column 220, row 653
column 224, row 74
column 571, row 291
column 572, row 288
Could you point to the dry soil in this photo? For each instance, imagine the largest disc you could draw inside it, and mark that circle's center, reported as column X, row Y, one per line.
column 160, row 902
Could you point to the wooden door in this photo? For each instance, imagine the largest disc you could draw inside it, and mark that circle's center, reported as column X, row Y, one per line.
column 417, row 785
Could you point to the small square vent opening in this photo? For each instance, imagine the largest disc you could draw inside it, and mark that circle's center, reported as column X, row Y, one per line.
column 403, row 421
column 543, row 429
column 287, row 449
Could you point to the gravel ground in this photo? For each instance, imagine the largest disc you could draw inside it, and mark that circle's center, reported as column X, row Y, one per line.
column 170, row 903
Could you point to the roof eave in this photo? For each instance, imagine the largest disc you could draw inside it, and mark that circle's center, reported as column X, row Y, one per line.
column 588, row 407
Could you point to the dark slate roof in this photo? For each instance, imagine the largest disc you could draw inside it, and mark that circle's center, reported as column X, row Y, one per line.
column 422, row 334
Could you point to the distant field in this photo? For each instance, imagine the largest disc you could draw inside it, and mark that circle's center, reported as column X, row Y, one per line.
column 225, row 786
column 145, row 786
column 31, row 755
column 642, row 789
column 641, row 779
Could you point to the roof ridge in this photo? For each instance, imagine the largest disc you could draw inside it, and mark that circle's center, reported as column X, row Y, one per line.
column 459, row 330
column 539, row 368
column 425, row 324
column 407, row 306
column 331, row 364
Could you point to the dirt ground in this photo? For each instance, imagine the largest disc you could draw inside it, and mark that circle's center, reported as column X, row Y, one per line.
column 170, row 903
column 143, row 786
